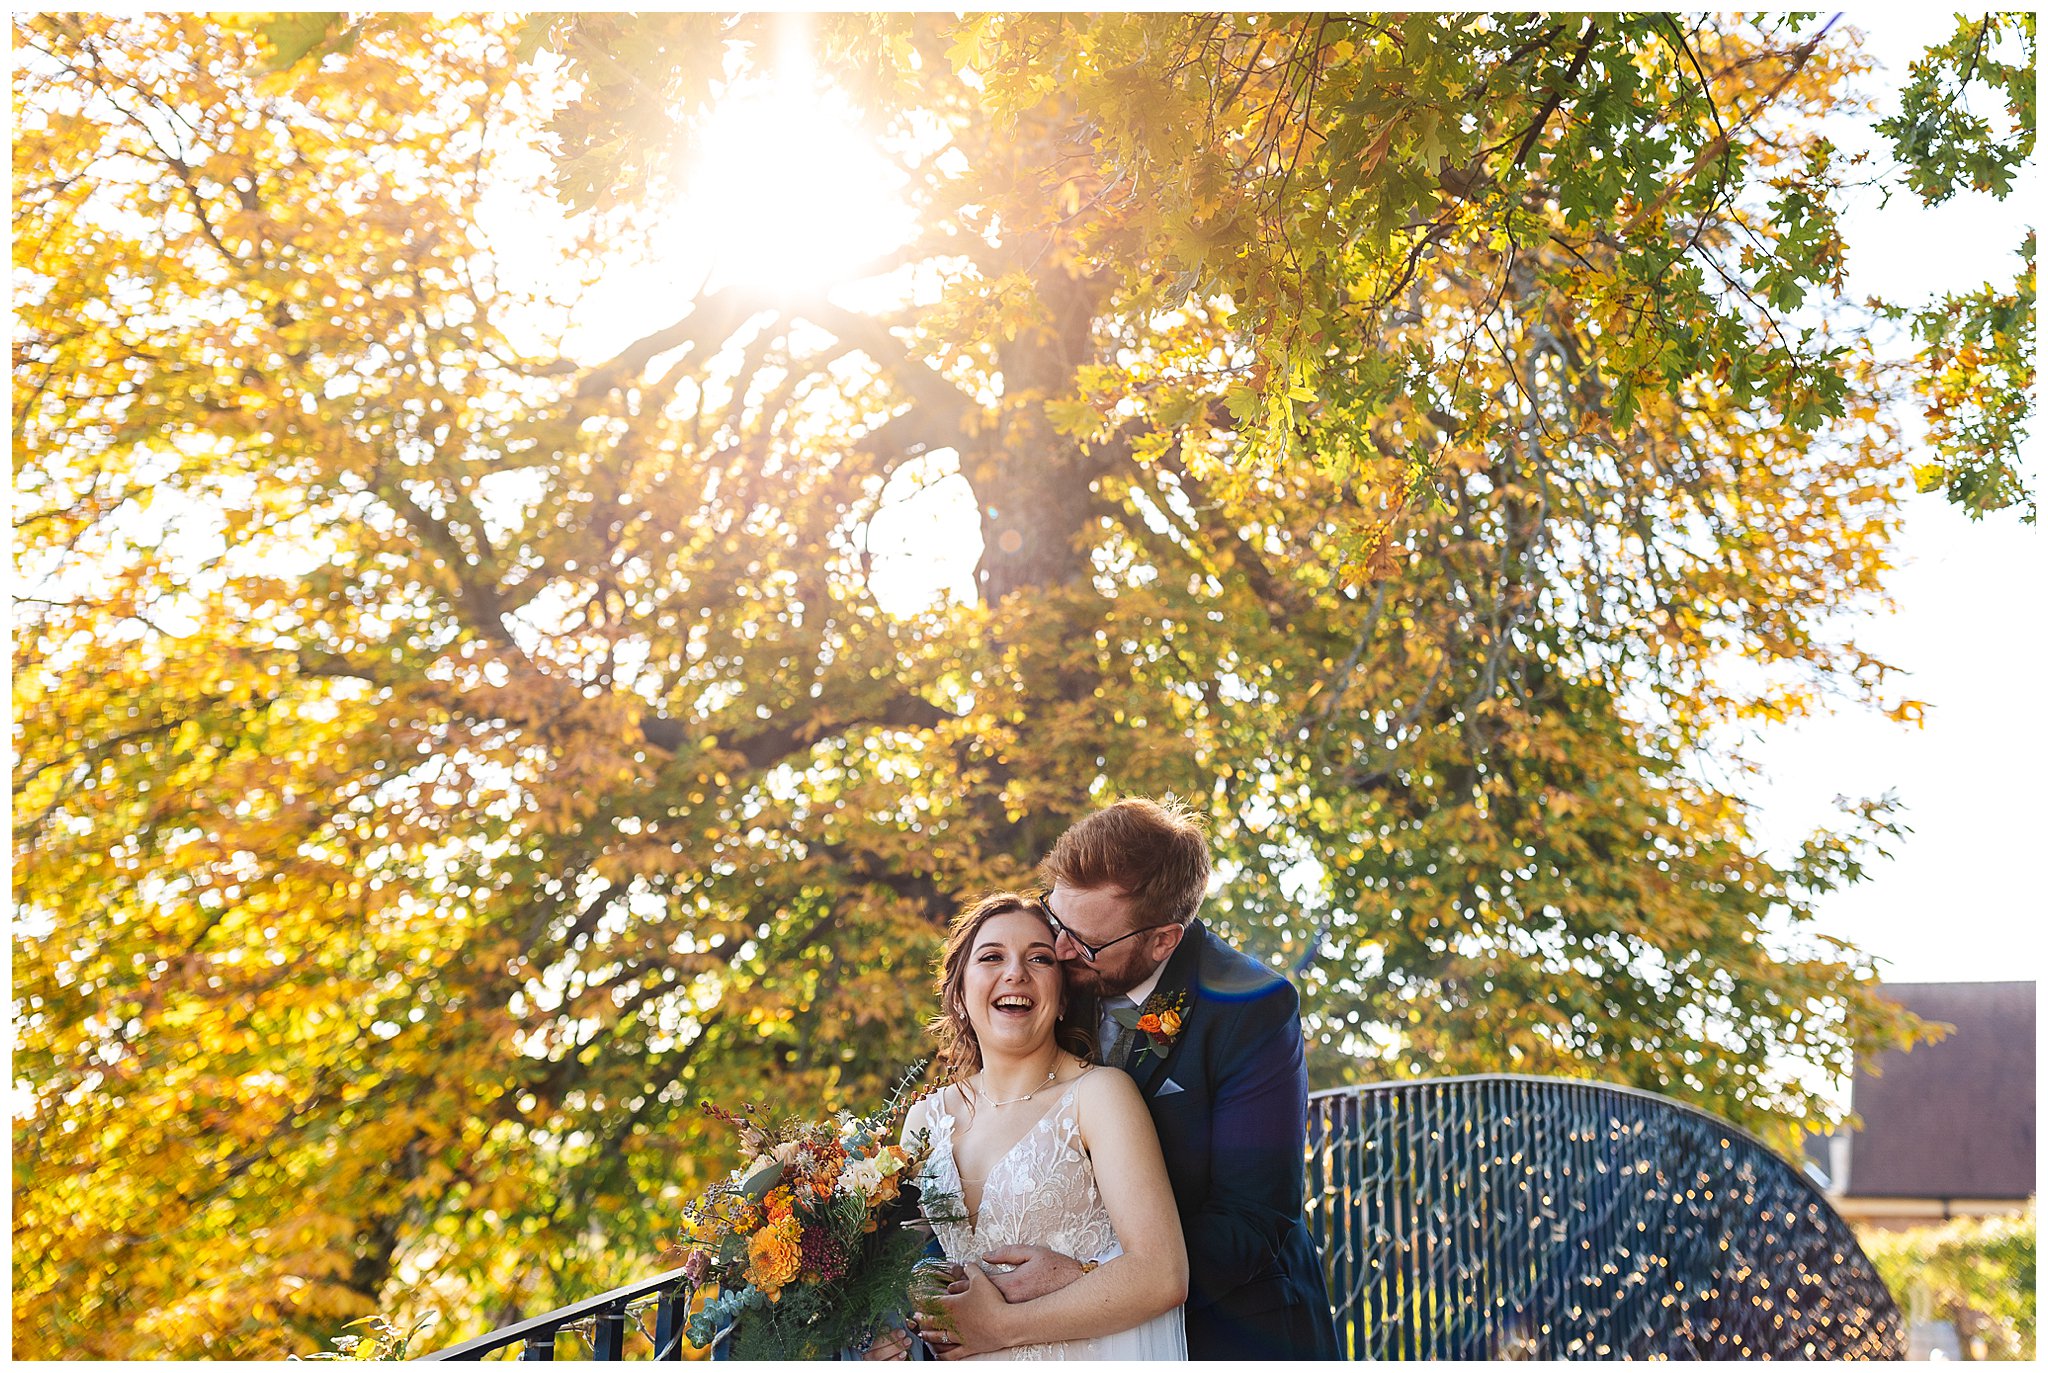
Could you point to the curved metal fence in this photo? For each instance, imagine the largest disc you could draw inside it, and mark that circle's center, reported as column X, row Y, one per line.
column 1503, row 1217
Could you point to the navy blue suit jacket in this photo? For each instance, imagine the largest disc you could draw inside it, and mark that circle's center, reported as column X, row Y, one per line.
column 1230, row 1100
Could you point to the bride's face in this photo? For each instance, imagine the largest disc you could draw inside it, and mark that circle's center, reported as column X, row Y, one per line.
column 1012, row 986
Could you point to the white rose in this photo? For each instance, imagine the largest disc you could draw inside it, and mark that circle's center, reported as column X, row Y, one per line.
column 860, row 1178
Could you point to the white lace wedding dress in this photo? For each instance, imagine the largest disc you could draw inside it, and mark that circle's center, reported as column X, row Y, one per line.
column 1043, row 1192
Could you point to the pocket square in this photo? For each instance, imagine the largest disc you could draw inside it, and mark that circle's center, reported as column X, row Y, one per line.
column 1168, row 1088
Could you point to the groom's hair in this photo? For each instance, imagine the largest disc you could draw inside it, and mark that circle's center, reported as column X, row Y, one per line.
column 1153, row 852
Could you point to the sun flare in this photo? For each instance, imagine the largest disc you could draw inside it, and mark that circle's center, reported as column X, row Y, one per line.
column 787, row 192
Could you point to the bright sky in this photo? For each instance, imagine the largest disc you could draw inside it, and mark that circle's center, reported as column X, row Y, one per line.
column 1962, row 898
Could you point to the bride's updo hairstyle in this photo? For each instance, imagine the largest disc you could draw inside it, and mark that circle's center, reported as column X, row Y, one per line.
column 959, row 1054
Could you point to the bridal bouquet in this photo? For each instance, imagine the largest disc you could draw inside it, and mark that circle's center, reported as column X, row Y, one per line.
column 812, row 1240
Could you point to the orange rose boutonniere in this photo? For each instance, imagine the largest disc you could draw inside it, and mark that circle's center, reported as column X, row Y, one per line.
column 1159, row 1020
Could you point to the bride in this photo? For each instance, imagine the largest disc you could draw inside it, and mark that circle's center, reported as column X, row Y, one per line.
column 1038, row 1146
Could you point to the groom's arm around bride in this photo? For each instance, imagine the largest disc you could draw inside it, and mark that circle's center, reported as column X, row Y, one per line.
column 1150, row 1275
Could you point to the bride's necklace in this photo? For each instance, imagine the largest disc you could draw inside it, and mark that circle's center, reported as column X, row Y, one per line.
column 1050, row 1073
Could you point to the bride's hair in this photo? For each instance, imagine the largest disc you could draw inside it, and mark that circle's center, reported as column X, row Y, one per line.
column 959, row 1055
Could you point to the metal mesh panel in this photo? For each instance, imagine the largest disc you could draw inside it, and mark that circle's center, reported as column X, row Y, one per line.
column 1505, row 1217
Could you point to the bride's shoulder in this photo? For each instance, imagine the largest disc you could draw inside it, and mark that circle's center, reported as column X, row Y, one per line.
column 1108, row 1108
column 1101, row 1086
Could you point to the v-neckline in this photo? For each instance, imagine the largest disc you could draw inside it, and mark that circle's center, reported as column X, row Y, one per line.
column 953, row 1149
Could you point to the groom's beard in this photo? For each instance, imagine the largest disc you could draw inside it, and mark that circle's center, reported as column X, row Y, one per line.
column 1101, row 982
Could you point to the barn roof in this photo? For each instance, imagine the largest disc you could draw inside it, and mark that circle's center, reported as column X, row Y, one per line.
column 1953, row 1119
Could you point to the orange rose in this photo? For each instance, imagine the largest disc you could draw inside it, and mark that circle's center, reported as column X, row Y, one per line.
column 1149, row 1024
column 1169, row 1023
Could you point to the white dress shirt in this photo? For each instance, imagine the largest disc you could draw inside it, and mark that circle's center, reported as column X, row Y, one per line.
column 1106, row 1029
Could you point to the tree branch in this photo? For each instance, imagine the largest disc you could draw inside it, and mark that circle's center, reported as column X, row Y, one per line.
column 920, row 381
column 1557, row 94
column 713, row 319
column 772, row 745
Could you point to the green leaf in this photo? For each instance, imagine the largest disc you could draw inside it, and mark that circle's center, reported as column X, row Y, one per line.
column 534, row 35
column 763, row 1182
column 291, row 36
column 1243, row 403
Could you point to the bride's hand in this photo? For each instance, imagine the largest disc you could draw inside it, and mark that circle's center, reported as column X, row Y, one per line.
column 977, row 1312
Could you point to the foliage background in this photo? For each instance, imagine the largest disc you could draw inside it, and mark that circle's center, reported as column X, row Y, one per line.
column 443, row 758
column 1977, row 1274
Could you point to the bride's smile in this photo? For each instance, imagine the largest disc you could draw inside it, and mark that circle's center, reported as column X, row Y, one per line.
column 1012, row 991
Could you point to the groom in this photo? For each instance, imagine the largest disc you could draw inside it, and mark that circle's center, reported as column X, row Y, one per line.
column 1219, row 1060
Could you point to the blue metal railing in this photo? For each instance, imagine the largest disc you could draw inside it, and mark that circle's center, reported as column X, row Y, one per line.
column 1514, row 1217
column 1502, row 1217
column 602, row 1321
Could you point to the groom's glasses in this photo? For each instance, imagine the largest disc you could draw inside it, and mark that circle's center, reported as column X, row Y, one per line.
column 1091, row 952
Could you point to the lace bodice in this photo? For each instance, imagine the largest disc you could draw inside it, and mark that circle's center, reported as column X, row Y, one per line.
column 1042, row 1192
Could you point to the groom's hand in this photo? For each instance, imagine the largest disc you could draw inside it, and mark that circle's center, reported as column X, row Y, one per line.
column 1037, row 1271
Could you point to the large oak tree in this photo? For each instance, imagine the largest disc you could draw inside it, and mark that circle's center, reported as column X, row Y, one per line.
column 1429, row 443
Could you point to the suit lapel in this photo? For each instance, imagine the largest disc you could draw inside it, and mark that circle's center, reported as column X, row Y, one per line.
column 1148, row 1068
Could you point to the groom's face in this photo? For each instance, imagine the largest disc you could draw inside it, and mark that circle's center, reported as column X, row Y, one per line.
column 1096, row 916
